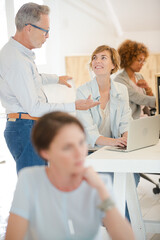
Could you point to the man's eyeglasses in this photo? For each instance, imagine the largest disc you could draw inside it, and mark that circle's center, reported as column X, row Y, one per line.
column 44, row 30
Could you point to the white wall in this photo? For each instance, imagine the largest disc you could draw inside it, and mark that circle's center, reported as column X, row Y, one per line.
column 151, row 39
column 75, row 31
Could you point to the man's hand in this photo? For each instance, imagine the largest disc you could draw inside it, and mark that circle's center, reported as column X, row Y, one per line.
column 85, row 104
column 63, row 80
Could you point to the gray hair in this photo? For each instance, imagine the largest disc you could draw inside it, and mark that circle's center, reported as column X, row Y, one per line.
column 30, row 13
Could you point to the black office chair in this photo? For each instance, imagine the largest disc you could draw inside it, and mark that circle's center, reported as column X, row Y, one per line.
column 156, row 190
column 152, row 111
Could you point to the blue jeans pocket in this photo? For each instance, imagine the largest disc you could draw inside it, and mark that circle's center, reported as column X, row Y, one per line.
column 13, row 138
column 18, row 138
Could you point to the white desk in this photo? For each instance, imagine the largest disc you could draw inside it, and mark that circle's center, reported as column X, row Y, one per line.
column 123, row 164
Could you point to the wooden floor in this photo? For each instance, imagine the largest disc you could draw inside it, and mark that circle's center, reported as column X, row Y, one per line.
column 150, row 203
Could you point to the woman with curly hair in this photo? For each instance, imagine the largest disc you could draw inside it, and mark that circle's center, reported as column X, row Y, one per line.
column 133, row 55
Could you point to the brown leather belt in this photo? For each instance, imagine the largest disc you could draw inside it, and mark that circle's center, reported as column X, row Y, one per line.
column 21, row 116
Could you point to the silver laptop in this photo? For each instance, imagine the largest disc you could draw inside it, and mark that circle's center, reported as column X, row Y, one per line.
column 143, row 132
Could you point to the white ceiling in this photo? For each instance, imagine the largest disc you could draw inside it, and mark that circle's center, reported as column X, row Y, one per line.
column 128, row 15
column 138, row 15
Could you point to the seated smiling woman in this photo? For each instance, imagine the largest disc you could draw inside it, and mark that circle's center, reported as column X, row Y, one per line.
column 107, row 123
column 63, row 200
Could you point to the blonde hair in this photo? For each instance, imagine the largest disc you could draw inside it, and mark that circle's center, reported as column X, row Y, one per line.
column 114, row 56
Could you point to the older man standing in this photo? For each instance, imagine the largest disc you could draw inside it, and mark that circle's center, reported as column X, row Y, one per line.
column 21, row 90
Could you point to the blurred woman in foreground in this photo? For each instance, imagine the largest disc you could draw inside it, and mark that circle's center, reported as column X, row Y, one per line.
column 63, row 200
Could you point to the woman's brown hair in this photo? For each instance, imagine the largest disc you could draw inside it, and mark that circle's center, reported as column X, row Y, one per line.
column 114, row 56
column 129, row 50
column 48, row 126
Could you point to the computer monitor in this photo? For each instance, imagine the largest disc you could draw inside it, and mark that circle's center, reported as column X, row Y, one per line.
column 157, row 84
column 158, row 96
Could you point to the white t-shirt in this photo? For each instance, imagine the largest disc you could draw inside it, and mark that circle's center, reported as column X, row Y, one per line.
column 105, row 127
column 53, row 214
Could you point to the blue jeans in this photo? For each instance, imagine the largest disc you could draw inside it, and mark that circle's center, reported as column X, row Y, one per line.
column 18, row 138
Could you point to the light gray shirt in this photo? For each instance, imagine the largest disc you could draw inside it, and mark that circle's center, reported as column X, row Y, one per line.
column 54, row 214
column 136, row 99
column 21, row 86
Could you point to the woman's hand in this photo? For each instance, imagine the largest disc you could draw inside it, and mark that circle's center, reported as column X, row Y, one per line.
column 142, row 83
column 117, row 226
column 118, row 142
column 93, row 179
